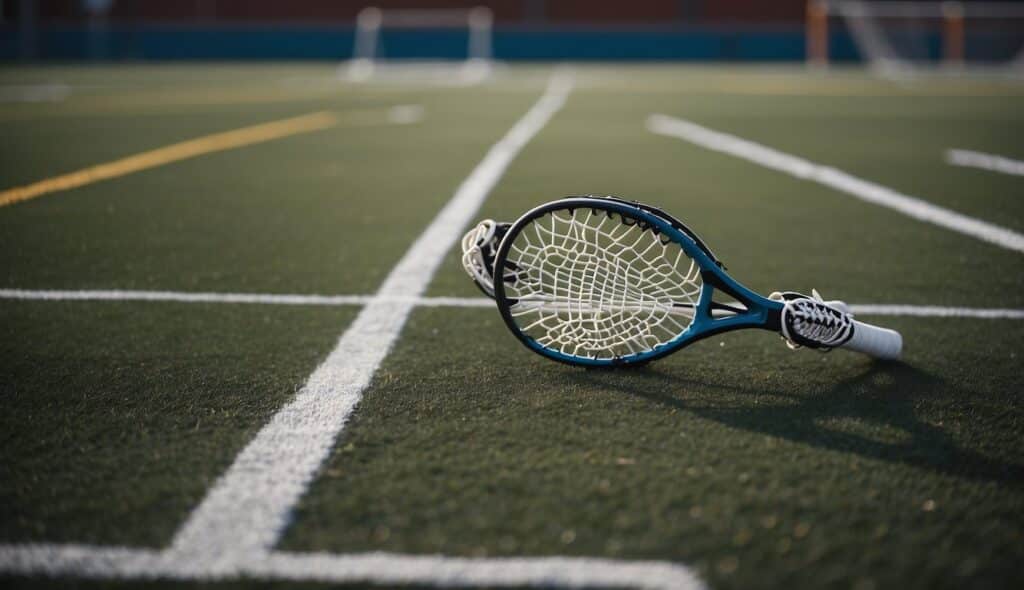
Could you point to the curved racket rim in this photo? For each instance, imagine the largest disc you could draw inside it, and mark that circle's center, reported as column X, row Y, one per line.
column 761, row 312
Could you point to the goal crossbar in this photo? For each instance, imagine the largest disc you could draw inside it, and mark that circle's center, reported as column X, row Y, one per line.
column 416, row 18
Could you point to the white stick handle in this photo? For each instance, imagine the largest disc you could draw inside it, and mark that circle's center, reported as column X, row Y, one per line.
column 881, row 343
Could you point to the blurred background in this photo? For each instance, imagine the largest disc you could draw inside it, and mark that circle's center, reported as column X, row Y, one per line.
column 692, row 30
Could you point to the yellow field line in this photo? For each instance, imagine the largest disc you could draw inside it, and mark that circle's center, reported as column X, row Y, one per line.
column 172, row 153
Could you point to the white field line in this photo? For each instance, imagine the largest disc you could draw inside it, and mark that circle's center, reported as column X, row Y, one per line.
column 836, row 179
column 932, row 311
column 420, row 301
column 34, row 92
column 184, row 297
column 248, row 508
column 378, row 568
column 406, row 114
column 985, row 161
column 84, row 561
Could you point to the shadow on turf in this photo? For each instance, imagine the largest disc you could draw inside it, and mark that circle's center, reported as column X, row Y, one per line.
column 882, row 395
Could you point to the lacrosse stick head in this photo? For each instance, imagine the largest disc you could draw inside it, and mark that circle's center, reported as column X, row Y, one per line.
column 599, row 281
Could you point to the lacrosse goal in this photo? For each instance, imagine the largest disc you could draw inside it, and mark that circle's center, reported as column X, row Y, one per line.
column 895, row 38
column 441, row 45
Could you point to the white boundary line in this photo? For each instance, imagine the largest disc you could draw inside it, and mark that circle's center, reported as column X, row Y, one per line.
column 420, row 301
column 406, row 114
column 54, row 92
column 248, row 508
column 932, row 311
column 836, row 179
column 993, row 162
column 183, row 297
column 377, row 568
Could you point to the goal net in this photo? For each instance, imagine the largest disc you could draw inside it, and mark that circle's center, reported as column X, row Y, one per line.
column 442, row 45
column 901, row 38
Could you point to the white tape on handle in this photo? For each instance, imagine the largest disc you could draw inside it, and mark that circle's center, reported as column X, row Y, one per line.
column 881, row 343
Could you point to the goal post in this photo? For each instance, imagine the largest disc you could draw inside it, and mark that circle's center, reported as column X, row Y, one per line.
column 914, row 36
column 817, row 33
column 370, row 58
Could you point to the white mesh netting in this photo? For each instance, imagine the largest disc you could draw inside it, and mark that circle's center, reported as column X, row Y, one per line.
column 591, row 284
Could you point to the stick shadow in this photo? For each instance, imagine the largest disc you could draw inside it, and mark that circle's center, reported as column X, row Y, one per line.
column 881, row 398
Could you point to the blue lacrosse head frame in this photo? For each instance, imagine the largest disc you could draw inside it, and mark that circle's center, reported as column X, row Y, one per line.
column 758, row 311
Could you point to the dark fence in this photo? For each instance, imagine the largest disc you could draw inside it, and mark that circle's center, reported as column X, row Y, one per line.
column 731, row 30
column 506, row 11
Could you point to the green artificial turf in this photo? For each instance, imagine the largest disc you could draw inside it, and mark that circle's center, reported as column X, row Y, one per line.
column 117, row 417
column 759, row 466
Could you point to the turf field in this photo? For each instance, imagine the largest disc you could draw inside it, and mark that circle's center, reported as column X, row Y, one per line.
column 146, row 431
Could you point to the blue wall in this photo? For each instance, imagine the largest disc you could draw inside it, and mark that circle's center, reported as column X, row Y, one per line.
column 277, row 42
